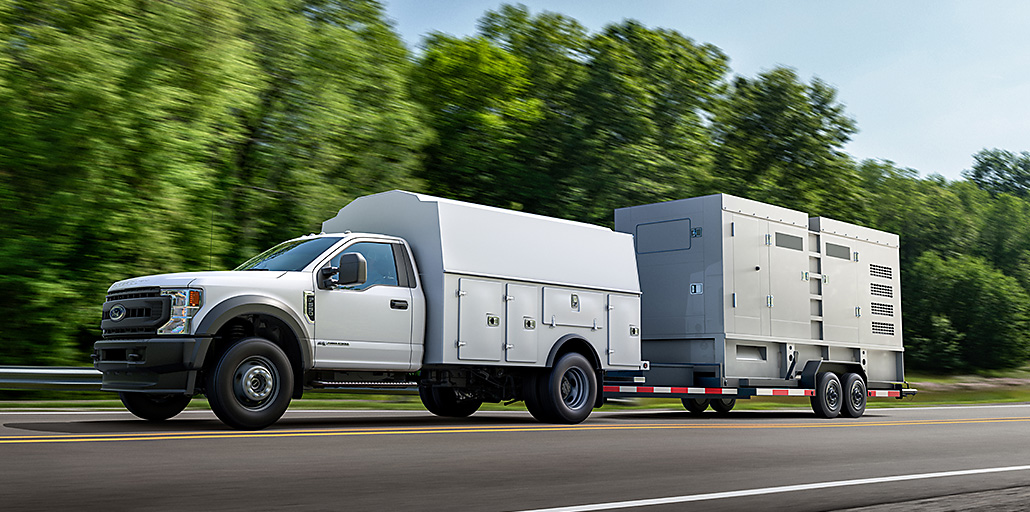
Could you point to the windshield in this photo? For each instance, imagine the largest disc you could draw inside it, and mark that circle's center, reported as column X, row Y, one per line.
column 290, row 256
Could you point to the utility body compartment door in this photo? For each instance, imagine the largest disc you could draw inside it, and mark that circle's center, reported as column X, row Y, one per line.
column 522, row 304
column 480, row 320
column 623, row 330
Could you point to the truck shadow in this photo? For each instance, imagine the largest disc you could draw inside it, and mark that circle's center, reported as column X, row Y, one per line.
column 400, row 421
column 327, row 421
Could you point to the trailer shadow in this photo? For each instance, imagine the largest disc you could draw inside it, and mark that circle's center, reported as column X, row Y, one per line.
column 728, row 417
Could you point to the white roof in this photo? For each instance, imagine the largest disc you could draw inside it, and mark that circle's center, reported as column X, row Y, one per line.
column 465, row 238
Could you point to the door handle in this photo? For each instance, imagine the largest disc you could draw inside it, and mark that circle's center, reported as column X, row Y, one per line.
column 398, row 304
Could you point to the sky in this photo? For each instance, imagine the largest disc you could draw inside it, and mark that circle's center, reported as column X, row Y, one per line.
column 929, row 82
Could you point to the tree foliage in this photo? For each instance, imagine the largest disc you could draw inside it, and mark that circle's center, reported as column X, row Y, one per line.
column 146, row 137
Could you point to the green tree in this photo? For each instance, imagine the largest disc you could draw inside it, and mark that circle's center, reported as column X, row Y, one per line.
column 964, row 305
column 780, row 140
column 334, row 119
column 114, row 114
column 476, row 96
column 999, row 171
column 644, row 103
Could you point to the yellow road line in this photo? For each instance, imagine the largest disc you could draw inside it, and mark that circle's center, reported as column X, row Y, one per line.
column 472, row 429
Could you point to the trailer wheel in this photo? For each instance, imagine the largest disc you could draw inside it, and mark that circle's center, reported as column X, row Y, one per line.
column 250, row 387
column 828, row 396
column 854, row 396
column 723, row 405
column 695, row 405
column 154, row 407
column 569, row 391
column 448, row 402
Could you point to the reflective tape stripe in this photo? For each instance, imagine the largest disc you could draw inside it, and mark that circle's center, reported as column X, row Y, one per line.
column 785, row 393
column 670, row 390
column 877, row 393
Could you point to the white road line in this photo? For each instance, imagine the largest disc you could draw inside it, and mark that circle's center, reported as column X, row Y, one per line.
column 775, row 490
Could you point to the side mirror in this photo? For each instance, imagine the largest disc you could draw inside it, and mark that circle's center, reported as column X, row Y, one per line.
column 353, row 269
column 327, row 277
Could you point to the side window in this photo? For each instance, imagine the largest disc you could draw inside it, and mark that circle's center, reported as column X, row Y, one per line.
column 382, row 269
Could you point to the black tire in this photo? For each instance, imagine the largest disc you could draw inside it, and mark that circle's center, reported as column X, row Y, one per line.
column 828, row 396
column 251, row 385
column 723, row 405
column 446, row 402
column 854, row 396
column 531, row 395
column 569, row 390
column 154, row 407
column 695, row 405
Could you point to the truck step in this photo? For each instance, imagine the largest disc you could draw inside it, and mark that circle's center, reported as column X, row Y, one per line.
column 362, row 384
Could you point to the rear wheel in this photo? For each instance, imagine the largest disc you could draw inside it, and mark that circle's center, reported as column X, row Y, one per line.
column 154, row 407
column 531, row 395
column 828, row 396
column 695, row 405
column 854, row 396
column 567, row 394
column 448, row 402
column 250, row 387
column 723, row 405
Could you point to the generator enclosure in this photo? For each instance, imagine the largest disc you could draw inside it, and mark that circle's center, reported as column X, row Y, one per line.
column 503, row 287
column 742, row 293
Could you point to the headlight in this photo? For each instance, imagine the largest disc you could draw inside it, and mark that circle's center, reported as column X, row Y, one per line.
column 185, row 304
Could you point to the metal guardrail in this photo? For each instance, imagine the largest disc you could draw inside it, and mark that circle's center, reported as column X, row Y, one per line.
column 82, row 378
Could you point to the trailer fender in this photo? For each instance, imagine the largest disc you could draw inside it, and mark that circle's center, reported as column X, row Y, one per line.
column 813, row 367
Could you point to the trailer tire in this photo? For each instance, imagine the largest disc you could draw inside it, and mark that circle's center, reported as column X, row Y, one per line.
column 568, row 392
column 154, row 407
column 828, row 396
column 695, row 406
column 251, row 385
column 445, row 402
column 854, row 396
column 723, row 405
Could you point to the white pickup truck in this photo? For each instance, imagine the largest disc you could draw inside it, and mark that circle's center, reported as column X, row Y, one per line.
column 466, row 302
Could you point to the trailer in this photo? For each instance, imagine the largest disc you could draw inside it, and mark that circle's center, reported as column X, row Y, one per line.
column 743, row 299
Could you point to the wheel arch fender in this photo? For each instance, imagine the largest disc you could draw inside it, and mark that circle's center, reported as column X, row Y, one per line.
column 813, row 367
column 573, row 343
column 241, row 305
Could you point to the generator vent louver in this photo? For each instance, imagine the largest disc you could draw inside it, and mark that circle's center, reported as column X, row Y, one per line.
column 880, row 271
column 883, row 328
column 879, row 308
column 881, row 290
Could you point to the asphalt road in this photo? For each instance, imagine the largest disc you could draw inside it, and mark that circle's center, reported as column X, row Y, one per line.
column 890, row 459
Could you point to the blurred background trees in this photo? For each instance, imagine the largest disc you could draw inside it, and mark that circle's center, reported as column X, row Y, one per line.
column 148, row 137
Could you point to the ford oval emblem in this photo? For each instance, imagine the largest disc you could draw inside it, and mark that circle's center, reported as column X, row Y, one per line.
column 116, row 313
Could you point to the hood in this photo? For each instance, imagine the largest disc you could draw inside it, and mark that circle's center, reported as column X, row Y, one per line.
column 184, row 279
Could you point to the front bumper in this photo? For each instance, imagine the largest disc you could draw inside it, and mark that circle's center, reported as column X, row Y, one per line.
column 152, row 365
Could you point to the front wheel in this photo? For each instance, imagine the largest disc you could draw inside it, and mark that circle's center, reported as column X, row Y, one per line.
column 251, row 386
column 448, row 402
column 154, row 407
column 569, row 391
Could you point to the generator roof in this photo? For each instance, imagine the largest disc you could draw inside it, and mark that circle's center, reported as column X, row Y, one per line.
column 465, row 238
